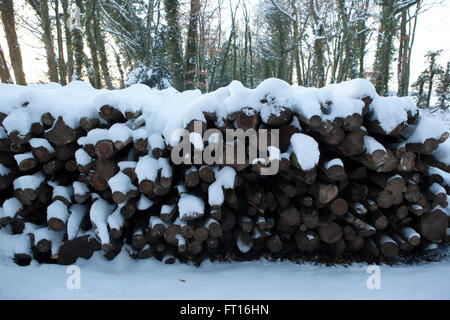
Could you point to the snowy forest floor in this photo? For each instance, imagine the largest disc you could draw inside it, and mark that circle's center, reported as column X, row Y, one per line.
column 124, row 278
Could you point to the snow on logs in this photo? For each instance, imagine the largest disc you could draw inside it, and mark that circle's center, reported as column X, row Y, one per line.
column 83, row 170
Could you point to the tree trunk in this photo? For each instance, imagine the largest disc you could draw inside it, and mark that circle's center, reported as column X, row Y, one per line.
column 100, row 41
column 5, row 77
column 48, row 41
column 61, row 62
column 174, row 43
column 192, row 46
column 68, row 35
column 319, row 44
column 77, row 37
column 89, row 32
column 7, row 13
column 385, row 47
column 348, row 68
column 296, row 43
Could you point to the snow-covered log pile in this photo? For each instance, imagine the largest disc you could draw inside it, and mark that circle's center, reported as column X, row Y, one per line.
column 84, row 170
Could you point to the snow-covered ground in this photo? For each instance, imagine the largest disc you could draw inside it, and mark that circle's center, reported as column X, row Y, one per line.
column 124, row 278
column 439, row 114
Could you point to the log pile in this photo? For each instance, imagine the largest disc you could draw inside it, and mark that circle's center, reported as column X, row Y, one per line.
column 105, row 183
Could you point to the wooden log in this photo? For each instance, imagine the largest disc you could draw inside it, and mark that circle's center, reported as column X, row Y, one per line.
column 412, row 192
column 128, row 208
column 438, row 194
column 291, row 216
column 19, row 139
column 168, row 212
column 417, row 209
column 407, row 160
column 61, row 134
column 191, row 177
column 105, row 149
column 374, row 127
column 7, row 159
column 7, row 177
column 324, row 193
column 371, row 247
column 401, row 212
column 214, row 229
column 71, row 165
column 138, row 240
column 25, row 161
column 287, row 188
column 81, row 247
column 388, row 247
column 356, row 192
column 338, row 206
column 378, row 220
column 89, row 124
column 329, row 232
column 42, row 150
column 433, row 225
column 307, row 241
column 47, row 120
column 66, row 151
column 246, row 118
column 245, row 223
column 310, row 217
column 428, row 146
column 357, row 173
column 364, row 229
column 98, row 182
column 112, row 114
column 279, row 118
column 353, row 143
column 157, row 227
column 410, row 235
column 274, row 244
column 356, row 244
column 37, row 128
column 358, row 209
column 194, row 247
column 57, row 216
column 50, row 168
column 5, row 144
column 352, row 122
column 228, row 220
column 116, row 224
column 338, row 247
column 201, row 233
column 334, row 169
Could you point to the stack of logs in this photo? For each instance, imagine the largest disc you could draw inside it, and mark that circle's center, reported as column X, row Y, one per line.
column 89, row 193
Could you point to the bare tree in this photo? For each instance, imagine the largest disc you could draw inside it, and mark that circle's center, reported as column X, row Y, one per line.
column 408, row 23
column 192, row 46
column 59, row 36
column 5, row 77
column 9, row 25
column 174, row 43
column 41, row 9
column 68, row 36
column 319, row 45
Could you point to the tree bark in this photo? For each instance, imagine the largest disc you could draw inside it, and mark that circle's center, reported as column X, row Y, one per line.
column 61, row 62
column 9, row 25
column 68, row 35
column 192, row 46
column 5, row 77
column 48, row 41
column 385, row 47
column 174, row 43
